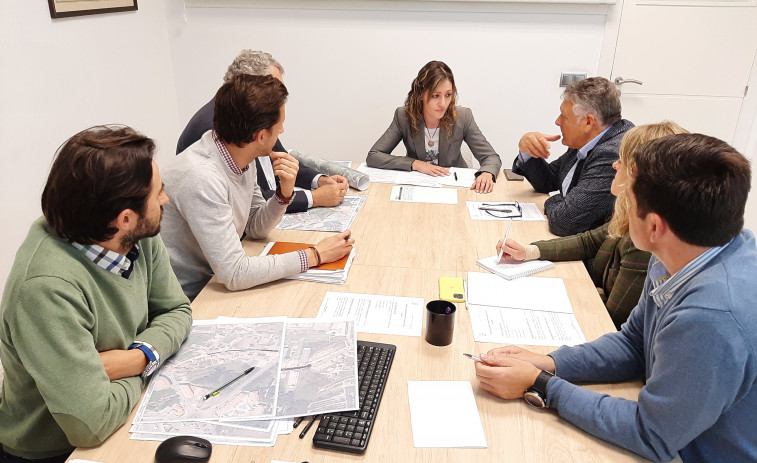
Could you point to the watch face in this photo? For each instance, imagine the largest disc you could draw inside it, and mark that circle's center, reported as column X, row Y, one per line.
column 534, row 399
column 149, row 369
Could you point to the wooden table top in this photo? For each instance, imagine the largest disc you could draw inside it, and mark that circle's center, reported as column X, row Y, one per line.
column 401, row 250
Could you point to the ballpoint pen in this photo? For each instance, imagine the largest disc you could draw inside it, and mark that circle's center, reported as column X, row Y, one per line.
column 220, row 388
column 297, row 421
column 507, row 233
column 473, row 357
column 308, row 426
column 455, row 174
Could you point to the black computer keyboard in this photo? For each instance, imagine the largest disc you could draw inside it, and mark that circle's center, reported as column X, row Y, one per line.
column 350, row 431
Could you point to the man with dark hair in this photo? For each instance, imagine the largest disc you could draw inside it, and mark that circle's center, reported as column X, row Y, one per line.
column 216, row 199
column 316, row 189
column 692, row 338
column 591, row 127
column 91, row 306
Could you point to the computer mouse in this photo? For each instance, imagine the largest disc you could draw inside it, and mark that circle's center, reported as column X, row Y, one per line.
column 183, row 449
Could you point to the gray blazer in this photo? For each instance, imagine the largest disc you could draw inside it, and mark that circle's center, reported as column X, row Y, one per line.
column 449, row 146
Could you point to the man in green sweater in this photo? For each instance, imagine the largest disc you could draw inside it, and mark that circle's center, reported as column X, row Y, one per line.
column 91, row 306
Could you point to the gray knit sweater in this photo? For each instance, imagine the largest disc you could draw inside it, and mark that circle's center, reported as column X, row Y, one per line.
column 209, row 210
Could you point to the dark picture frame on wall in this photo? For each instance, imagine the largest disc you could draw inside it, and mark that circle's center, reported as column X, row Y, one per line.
column 68, row 8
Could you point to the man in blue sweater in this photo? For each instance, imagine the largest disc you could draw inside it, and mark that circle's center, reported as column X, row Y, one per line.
column 692, row 338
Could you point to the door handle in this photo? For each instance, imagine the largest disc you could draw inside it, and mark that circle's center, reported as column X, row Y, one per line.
column 619, row 80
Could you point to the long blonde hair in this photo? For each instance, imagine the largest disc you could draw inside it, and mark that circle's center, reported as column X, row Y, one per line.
column 632, row 140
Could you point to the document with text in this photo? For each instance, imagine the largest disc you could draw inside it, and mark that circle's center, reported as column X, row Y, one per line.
column 399, row 176
column 374, row 313
column 421, row 194
column 518, row 326
column 529, row 293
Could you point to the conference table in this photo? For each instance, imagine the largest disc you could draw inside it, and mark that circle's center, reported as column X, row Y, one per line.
column 402, row 249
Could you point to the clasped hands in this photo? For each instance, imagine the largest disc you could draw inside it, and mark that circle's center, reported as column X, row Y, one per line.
column 508, row 372
column 331, row 191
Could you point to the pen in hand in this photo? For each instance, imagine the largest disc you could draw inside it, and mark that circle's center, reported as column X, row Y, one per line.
column 507, row 234
column 217, row 391
column 473, row 357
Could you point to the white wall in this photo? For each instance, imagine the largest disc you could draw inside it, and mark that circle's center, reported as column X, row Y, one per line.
column 347, row 70
column 60, row 76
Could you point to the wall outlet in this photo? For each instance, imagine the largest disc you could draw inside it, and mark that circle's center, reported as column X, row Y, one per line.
column 567, row 78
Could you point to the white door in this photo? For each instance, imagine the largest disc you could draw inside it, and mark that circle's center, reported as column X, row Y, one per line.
column 693, row 58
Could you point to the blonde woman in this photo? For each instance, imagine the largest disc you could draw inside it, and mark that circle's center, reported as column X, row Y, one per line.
column 618, row 267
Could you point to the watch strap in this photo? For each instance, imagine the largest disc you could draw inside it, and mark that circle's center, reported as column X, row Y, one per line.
column 540, row 385
column 150, row 352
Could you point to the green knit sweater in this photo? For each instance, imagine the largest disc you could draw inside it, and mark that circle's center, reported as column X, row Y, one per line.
column 59, row 310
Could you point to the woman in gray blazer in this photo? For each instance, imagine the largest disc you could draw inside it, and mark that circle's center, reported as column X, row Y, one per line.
column 433, row 128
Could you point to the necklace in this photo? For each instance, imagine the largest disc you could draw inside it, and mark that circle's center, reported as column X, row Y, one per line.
column 430, row 137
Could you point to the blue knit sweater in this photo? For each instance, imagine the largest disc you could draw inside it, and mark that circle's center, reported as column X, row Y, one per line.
column 697, row 355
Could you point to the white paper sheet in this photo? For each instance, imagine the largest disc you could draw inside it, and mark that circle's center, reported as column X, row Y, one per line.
column 399, row 176
column 465, row 177
column 518, row 326
column 529, row 293
column 420, row 194
column 374, row 313
column 443, row 414
column 530, row 212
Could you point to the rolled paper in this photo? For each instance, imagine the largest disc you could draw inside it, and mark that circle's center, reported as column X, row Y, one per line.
column 356, row 179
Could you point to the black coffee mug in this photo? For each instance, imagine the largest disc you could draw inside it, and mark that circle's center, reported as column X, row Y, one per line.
column 440, row 322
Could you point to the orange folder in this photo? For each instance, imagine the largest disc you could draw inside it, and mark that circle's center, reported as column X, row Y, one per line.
column 283, row 247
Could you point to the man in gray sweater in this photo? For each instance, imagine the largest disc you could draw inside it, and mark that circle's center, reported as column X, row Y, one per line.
column 216, row 199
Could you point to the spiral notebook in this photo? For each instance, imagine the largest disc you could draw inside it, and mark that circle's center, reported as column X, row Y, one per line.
column 510, row 269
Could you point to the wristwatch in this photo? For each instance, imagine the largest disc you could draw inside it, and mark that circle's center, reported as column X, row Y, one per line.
column 152, row 357
column 536, row 395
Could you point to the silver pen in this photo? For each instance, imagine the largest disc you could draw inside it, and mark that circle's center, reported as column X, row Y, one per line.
column 473, row 357
column 502, row 249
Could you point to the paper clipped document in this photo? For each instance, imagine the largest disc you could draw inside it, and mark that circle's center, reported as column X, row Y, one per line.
column 399, row 176
column 520, row 326
column 510, row 269
column 420, row 194
column 529, row 293
column 443, row 414
column 529, row 211
column 326, row 219
column 375, row 313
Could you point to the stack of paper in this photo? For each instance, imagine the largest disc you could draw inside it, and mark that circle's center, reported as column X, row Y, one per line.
column 529, row 310
column 399, row 176
column 510, row 269
column 458, row 176
column 333, row 272
column 301, row 367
